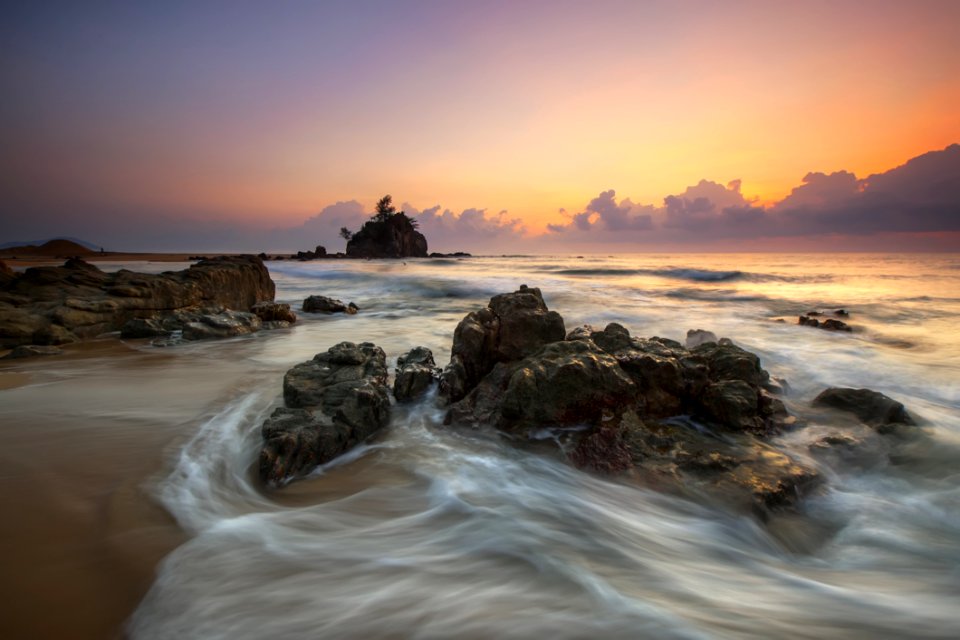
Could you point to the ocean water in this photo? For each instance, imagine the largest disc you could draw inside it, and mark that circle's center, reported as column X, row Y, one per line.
column 426, row 532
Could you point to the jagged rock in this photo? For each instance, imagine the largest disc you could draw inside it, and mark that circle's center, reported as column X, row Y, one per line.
column 33, row 350
column 416, row 372
column 274, row 312
column 870, row 407
column 512, row 326
column 563, row 383
column 333, row 402
column 694, row 418
column 391, row 237
column 738, row 469
column 323, row 304
column 55, row 305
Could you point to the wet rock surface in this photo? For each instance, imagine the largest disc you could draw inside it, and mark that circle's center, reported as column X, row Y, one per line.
column 32, row 351
column 323, row 304
column 274, row 312
column 58, row 305
column 698, row 419
column 822, row 320
column 333, row 402
column 510, row 327
column 194, row 324
column 870, row 407
column 416, row 374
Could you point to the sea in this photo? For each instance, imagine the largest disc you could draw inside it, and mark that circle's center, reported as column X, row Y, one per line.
column 132, row 509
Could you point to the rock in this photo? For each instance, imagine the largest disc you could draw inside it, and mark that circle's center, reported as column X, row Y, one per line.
column 455, row 254
column 193, row 324
column 870, row 407
column 696, row 337
column 333, row 402
column 226, row 324
column 323, row 304
column 739, row 470
column 416, row 372
column 54, row 305
column 809, row 319
column 564, row 383
column 136, row 328
column 393, row 236
column 512, row 326
column 32, row 350
column 6, row 274
column 693, row 419
column 274, row 312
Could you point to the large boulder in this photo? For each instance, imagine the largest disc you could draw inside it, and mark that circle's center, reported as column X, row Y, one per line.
column 333, row 402
column 512, row 326
column 55, row 305
column 870, row 407
column 416, row 373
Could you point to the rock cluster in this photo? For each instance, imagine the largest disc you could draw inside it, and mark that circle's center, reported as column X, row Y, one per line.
column 58, row 305
column 816, row 319
column 698, row 419
column 699, row 416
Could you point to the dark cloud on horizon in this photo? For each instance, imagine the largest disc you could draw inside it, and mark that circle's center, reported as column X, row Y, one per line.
column 921, row 196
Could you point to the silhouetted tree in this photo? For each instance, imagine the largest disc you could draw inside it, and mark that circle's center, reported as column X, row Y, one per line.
column 385, row 209
column 346, row 234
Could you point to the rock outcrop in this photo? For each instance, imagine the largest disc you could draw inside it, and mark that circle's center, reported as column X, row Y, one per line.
column 416, row 373
column 323, row 304
column 57, row 305
column 391, row 236
column 696, row 418
column 333, row 402
column 512, row 326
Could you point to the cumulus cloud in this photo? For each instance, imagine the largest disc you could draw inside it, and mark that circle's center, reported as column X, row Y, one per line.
column 921, row 196
column 469, row 230
column 605, row 214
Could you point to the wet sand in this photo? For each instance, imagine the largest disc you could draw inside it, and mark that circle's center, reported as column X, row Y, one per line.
column 84, row 435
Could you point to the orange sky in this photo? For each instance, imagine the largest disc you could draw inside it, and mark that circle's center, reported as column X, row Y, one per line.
column 230, row 114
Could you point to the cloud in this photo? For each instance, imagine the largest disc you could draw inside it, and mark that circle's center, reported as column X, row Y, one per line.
column 920, row 197
column 603, row 213
column 471, row 229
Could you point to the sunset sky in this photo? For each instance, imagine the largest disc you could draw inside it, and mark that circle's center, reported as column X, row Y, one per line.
column 235, row 125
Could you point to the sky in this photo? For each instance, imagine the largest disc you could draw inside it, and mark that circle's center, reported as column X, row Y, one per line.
column 505, row 126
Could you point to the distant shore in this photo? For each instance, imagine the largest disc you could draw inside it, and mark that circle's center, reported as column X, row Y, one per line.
column 14, row 259
column 21, row 259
